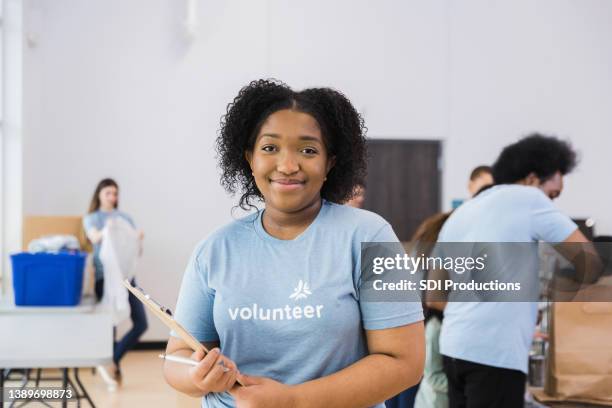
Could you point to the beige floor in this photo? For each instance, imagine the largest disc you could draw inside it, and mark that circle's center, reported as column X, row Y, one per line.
column 143, row 386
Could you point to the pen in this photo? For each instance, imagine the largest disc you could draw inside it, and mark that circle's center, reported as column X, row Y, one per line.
column 187, row 361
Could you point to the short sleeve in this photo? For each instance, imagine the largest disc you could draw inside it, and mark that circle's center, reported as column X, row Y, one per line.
column 548, row 223
column 194, row 307
column 385, row 315
column 88, row 222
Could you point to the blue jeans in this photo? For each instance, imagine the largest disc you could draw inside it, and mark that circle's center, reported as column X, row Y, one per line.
column 139, row 323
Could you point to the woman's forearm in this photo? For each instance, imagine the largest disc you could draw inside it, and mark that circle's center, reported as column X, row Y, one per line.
column 367, row 382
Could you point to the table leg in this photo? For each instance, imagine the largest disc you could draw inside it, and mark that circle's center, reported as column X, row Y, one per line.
column 83, row 390
column 1, row 387
column 38, row 373
column 64, row 386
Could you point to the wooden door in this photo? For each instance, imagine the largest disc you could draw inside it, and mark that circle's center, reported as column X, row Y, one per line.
column 403, row 182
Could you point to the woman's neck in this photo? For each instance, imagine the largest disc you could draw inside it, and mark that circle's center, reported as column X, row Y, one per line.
column 105, row 209
column 287, row 226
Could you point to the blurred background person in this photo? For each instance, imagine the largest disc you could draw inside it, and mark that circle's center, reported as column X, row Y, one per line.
column 433, row 388
column 104, row 207
column 486, row 345
column 358, row 196
column 431, row 392
column 481, row 176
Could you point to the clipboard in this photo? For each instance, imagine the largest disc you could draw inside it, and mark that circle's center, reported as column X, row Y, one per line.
column 165, row 315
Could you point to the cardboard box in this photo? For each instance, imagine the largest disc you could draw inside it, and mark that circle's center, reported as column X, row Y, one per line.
column 36, row 226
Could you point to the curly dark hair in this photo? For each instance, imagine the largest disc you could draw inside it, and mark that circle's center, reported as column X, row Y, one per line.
column 341, row 125
column 535, row 153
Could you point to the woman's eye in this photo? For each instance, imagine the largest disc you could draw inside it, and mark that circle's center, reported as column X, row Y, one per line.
column 268, row 148
column 309, row 150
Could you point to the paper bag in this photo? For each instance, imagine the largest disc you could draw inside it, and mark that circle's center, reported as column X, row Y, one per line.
column 580, row 353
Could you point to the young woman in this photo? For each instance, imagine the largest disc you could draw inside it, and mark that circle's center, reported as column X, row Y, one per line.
column 278, row 291
column 103, row 207
column 433, row 389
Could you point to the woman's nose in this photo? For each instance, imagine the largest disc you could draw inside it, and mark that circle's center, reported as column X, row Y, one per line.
column 287, row 163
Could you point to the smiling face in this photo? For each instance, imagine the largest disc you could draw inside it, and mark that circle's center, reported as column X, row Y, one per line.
column 289, row 161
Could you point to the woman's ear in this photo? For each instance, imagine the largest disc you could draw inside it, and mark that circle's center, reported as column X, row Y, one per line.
column 248, row 155
column 331, row 162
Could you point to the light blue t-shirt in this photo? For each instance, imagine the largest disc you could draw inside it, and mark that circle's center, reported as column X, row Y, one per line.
column 97, row 220
column 498, row 334
column 287, row 309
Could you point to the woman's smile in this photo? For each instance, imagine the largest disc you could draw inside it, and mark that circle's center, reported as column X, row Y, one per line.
column 287, row 185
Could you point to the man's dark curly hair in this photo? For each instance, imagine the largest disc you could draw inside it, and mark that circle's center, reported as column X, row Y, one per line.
column 341, row 125
column 535, row 153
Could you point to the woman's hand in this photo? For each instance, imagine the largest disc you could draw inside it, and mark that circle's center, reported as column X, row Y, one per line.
column 140, row 239
column 262, row 392
column 214, row 373
column 94, row 235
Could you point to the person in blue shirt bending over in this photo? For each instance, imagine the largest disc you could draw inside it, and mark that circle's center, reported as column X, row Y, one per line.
column 276, row 294
column 486, row 344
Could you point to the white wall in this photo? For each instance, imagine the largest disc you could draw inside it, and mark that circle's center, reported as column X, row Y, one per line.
column 113, row 88
column 519, row 66
column 10, row 138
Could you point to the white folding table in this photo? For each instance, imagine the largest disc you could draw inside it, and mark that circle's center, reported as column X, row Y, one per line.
column 55, row 337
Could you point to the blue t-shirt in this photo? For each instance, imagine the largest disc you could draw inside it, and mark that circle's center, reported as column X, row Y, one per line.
column 98, row 220
column 287, row 309
column 498, row 334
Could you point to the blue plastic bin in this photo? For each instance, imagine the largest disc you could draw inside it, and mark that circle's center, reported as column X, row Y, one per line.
column 45, row 279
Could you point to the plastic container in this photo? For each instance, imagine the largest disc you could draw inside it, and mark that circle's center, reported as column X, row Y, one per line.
column 45, row 279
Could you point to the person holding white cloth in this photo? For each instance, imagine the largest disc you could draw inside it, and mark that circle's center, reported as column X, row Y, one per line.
column 116, row 244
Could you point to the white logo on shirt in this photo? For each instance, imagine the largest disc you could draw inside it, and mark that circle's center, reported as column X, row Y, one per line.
column 287, row 312
column 301, row 292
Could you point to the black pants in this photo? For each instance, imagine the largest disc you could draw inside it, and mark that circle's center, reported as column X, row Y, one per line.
column 473, row 385
column 139, row 323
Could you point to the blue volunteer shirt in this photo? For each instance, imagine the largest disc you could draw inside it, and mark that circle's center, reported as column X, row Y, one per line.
column 287, row 309
column 499, row 334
